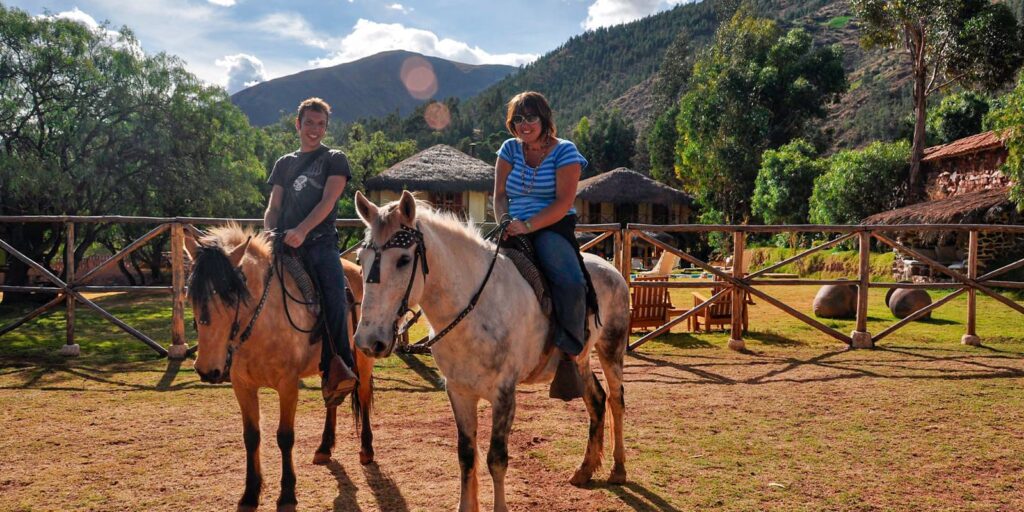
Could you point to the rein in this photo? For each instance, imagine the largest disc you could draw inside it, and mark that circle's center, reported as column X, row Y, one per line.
column 404, row 238
column 274, row 264
column 232, row 348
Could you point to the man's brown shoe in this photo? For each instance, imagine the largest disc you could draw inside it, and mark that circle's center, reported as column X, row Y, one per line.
column 338, row 383
column 567, row 384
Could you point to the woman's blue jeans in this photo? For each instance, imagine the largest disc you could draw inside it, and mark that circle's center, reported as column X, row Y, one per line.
column 323, row 262
column 560, row 264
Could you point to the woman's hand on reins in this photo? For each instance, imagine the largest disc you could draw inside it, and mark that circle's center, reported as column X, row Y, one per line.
column 516, row 228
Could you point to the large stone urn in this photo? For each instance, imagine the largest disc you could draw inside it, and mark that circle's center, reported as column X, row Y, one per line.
column 836, row 301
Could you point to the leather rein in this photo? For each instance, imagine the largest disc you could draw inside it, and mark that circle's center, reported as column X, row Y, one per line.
column 404, row 238
column 286, row 296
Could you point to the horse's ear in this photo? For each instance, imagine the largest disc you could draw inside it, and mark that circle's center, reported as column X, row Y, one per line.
column 365, row 208
column 407, row 206
column 191, row 246
column 236, row 255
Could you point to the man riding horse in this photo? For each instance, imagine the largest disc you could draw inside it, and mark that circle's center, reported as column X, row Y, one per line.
column 302, row 206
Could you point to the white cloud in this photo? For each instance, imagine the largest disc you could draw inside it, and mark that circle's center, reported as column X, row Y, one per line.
column 243, row 70
column 369, row 37
column 604, row 13
column 293, row 26
column 222, row 3
column 400, row 8
column 84, row 18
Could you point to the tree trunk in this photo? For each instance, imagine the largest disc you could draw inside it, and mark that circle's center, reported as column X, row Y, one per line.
column 30, row 240
column 915, row 186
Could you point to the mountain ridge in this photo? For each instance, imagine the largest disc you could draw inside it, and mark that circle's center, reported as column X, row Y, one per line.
column 367, row 88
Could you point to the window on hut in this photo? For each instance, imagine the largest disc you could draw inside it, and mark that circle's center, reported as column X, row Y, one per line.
column 449, row 201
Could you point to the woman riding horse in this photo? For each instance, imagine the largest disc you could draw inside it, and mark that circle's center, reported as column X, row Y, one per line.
column 535, row 182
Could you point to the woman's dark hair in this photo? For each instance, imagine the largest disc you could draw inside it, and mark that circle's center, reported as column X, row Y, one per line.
column 535, row 103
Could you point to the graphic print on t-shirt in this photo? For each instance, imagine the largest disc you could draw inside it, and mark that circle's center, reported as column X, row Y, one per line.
column 306, row 178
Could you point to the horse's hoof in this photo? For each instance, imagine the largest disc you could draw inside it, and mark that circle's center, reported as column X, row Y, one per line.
column 581, row 477
column 321, row 459
column 247, row 508
column 290, row 507
column 365, row 457
column 618, row 476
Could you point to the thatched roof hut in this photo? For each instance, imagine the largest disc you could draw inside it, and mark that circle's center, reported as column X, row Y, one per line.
column 440, row 168
column 973, row 144
column 624, row 185
column 969, row 208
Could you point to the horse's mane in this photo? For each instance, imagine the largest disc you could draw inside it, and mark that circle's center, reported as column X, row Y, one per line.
column 444, row 221
column 212, row 272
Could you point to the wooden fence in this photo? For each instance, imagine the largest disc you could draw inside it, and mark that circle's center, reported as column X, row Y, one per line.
column 70, row 290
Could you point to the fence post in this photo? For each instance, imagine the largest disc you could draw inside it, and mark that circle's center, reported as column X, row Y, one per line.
column 971, row 338
column 70, row 348
column 861, row 337
column 738, row 295
column 178, row 348
column 627, row 253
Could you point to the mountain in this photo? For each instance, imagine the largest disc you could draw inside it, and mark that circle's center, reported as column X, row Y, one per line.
column 369, row 87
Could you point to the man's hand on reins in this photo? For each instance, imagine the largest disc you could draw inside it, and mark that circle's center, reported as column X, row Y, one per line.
column 294, row 237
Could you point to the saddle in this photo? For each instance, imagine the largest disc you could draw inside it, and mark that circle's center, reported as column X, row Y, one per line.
column 520, row 250
column 303, row 280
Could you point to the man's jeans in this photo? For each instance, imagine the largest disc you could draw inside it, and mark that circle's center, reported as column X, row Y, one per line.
column 561, row 266
column 324, row 264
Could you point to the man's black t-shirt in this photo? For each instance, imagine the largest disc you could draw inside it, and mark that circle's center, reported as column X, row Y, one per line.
column 303, row 190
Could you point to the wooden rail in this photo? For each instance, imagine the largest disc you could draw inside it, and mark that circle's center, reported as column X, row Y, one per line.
column 734, row 282
column 738, row 283
column 69, row 291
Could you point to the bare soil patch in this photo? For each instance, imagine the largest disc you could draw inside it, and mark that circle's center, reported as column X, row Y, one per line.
column 907, row 427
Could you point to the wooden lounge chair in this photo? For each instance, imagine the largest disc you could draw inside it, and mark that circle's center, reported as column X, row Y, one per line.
column 650, row 307
column 718, row 313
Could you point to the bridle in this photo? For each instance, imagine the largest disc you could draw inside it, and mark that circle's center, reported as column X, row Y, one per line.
column 204, row 318
column 404, row 238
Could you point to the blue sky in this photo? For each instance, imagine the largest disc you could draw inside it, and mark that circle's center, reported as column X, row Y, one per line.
column 237, row 42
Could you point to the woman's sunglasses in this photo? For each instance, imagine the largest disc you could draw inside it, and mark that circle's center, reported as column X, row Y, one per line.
column 531, row 118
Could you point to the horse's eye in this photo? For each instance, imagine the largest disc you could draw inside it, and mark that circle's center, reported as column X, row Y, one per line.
column 403, row 260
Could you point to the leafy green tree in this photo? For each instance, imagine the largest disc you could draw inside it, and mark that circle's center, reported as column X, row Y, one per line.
column 1008, row 120
column 370, row 155
column 674, row 73
column 756, row 88
column 957, row 116
column 860, row 183
column 785, row 182
column 89, row 125
column 967, row 42
column 661, row 146
column 607, row 143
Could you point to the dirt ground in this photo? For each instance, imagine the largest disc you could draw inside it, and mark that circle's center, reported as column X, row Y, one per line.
column 917, row 427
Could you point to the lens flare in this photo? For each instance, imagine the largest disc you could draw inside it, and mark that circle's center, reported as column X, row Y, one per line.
column 418, row 77
column 437, row 116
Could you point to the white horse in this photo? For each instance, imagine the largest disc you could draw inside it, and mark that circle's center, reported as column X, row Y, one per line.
column 438, row 262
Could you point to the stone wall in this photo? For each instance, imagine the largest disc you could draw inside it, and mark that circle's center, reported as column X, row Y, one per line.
column 994, row 249
column 966, row 173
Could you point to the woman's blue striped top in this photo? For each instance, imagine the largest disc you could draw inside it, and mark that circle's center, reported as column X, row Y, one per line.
column 531, row 190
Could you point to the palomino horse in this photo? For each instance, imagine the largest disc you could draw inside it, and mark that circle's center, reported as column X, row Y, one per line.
column 229, row 271
column 413, row 254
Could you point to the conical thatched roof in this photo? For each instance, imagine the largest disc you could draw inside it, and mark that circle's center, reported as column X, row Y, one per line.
column 440, row 168
column 624, row 185
column 966, row 208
